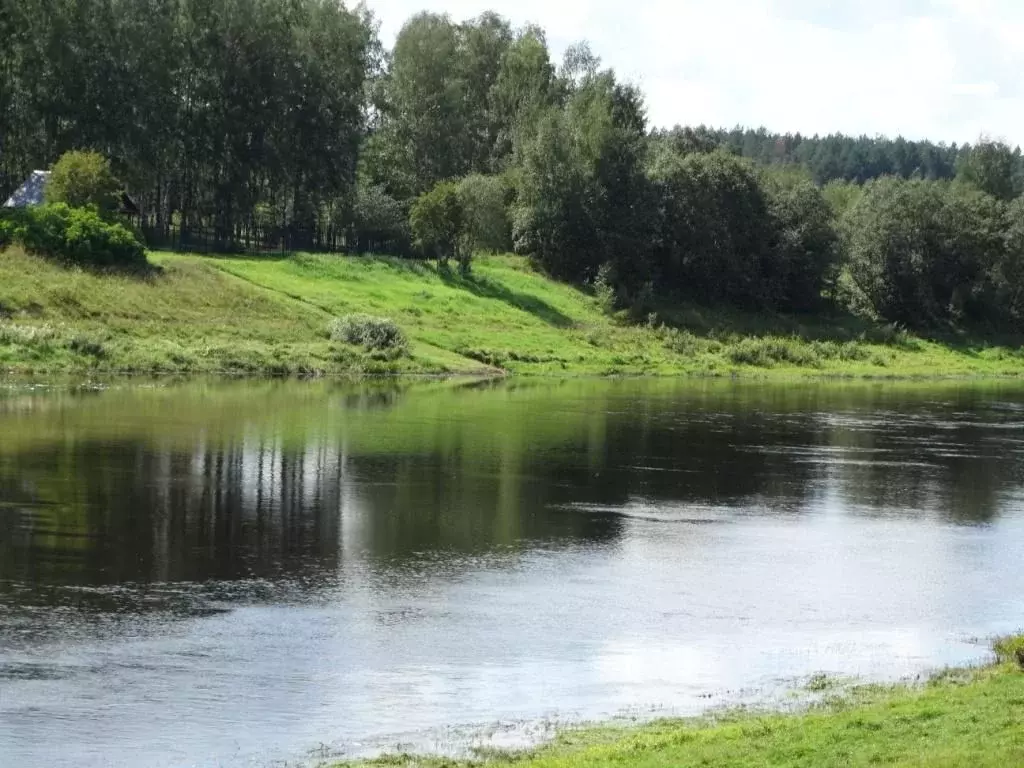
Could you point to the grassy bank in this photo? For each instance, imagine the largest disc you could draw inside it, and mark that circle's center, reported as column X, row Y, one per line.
column 270, row 316
column 960, row 718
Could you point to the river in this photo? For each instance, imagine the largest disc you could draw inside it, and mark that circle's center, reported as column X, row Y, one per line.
column 258, row 574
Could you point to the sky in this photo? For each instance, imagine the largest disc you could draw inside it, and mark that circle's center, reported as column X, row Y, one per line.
column 945, row 70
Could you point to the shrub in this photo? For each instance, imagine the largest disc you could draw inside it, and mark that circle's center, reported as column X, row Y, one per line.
column 75, row 235
column 371, row 333
column 604, row 288
column 682, row 342
column 833, row 350
column 27, row 335
column 84, row 180
column 87, row 346
column 1010, row 649
column 892, row 335
column 766, row 352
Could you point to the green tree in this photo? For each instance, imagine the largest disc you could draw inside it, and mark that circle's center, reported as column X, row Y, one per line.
column 715, row 227
column 804, row 248
column 583, row 198
column 553, row 217
column 484, row 44
column 841, row 195
column 425, row 136
column 990, row 166
column 437, row 221
column 484, row 202
column 379, row 221
column 920, row 250
column 1004, row 294
column 521, row 93
column 84, row 180
column 209, row 110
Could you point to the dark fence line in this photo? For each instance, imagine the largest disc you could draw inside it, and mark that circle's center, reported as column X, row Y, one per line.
column 277, row 241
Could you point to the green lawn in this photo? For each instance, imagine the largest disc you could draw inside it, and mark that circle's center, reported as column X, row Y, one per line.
column 962, row 719
column 269, row 316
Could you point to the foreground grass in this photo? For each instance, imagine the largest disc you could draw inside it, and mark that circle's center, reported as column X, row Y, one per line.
column 269, row 316
column 962, row 718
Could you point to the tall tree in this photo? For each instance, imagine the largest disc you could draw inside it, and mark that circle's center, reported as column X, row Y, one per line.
column 990, row 166
column 523, row 90
column 485, row 44
column 582, row 191
column 425, row 137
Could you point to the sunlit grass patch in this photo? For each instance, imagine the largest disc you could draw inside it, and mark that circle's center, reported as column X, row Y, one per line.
column 257, row 316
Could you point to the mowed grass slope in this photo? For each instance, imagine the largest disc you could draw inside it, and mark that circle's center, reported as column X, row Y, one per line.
column 505, row 315
column 509, row 316
column 188, row 316
column 270, row 315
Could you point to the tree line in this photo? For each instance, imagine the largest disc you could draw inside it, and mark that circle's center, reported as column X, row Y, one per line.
column 264, row 121
column 834, row 157
column 234, row 115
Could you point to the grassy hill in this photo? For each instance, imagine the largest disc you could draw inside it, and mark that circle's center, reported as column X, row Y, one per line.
column 270, row 315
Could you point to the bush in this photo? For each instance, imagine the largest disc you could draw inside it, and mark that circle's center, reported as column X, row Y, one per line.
column 766, row 352
column 890, row 334
column 84, row 180
column 74, row 235
column 604, row 288
column 682, row 342
column 87, row 346
column 371, row 333
column 1010, row 649
column 27, row 335
column 832, row 350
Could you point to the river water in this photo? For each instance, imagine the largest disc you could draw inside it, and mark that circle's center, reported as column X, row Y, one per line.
column 253, row 574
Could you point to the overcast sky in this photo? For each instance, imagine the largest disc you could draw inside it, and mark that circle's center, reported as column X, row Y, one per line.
column 947, row 70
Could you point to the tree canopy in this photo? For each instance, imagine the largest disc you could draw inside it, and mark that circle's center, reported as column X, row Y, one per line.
column 264, row 123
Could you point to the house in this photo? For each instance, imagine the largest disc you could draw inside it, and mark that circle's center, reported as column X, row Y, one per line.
column 33, row 192
column 29, row 193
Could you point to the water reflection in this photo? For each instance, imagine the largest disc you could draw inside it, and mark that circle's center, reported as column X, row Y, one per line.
column 109, row 499
column 350, row 560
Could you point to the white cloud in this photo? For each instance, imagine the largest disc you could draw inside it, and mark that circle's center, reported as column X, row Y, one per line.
column 941, row 69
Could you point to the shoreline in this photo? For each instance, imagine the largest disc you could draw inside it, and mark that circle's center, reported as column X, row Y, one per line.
column 15, row 379
column 951, row 717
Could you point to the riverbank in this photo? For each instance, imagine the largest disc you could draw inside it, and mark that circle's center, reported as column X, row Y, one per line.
column 269, row 316
column 959, row 718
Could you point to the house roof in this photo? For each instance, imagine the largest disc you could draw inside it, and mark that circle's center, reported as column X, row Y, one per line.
column 31, row 192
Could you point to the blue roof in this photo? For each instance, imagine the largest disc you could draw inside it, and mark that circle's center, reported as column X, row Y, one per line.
column 31, row 192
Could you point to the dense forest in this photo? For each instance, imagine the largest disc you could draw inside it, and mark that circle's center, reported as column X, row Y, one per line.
column 273, row 124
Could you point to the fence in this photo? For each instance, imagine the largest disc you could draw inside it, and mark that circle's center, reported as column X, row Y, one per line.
column 279, row 241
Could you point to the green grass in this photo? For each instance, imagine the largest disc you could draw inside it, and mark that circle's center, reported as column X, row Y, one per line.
column 270, row 316
column 964, row 718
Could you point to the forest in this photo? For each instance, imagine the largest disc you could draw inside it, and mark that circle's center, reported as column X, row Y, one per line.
column 268, row 124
